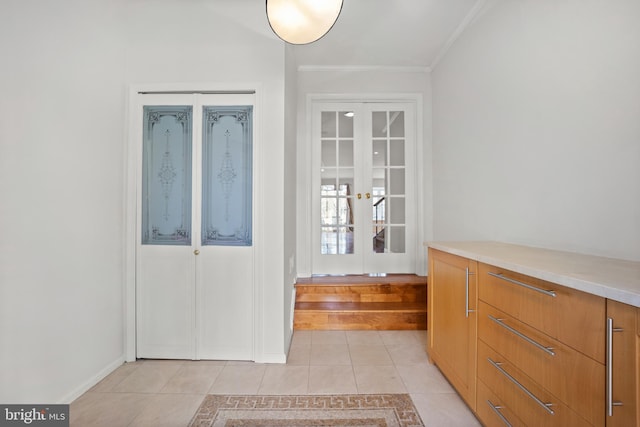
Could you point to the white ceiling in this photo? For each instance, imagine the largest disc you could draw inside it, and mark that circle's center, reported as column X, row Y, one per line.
column 389, row 33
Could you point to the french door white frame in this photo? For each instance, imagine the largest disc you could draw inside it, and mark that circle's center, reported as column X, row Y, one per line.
column 131, row 202
column 306, row 226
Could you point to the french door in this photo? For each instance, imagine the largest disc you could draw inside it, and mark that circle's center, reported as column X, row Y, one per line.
column 363, row 209
column 194, row 252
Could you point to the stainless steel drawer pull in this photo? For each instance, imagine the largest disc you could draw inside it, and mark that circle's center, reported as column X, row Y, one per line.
column 610, row 330
column 496, row 409
column 545, row 406
column 466, row 301
column 524, row 285
column 548, row 350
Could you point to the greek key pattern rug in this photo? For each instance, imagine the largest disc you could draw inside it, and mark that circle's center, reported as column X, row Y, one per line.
column 345, row 410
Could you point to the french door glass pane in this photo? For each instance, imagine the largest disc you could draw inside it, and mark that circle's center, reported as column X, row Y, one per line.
column 345, row 153
column 396, row 124
column 329, row 155
column 345, row 124
column 396, row 152
column 396, row 181
column 166, row 175
column 379, row 124
column 227, row 175
column 379, row 153
column 396, row 241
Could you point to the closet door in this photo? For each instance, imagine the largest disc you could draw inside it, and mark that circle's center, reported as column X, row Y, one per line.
column 224, row 266
column 194, row 279
column 165, row 258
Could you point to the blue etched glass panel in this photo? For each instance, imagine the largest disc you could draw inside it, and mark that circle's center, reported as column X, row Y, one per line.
column 227, row 175
column 166, row 175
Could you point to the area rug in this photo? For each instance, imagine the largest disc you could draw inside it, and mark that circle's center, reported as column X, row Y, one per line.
column 344, row 410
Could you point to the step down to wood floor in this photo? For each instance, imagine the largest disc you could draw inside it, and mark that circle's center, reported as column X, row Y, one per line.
column 391, row 302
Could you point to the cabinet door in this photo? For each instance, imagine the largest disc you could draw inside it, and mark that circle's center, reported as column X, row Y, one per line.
column 452, row 300
column 622, row 365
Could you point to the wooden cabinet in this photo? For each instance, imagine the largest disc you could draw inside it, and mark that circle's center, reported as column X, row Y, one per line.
column 623, row 370
column 524, row 396
column 452, row 320
column 570, row 316
column 541, row 350
column 571, row 377
column 524, row 351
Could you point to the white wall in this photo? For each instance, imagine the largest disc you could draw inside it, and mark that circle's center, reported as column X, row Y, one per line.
column 61, row 210
column 67, row 66
column 356, row 82
column 290, row 188
column 536, row 127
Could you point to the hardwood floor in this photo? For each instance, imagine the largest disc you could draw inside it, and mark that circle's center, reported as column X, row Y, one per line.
column 361, row 302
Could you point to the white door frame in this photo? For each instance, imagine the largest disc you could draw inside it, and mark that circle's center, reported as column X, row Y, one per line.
column 305, row 225
column 131, row 201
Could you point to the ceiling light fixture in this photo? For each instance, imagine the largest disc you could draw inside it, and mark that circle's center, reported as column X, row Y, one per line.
column 302, row 21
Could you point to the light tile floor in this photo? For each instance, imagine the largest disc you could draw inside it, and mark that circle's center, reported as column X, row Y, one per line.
column 168, row 393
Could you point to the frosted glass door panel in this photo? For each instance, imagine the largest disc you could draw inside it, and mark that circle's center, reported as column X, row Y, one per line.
column 166, row 175
column 227, row 176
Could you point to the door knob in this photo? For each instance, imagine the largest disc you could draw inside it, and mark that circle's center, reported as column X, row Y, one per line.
column 196, row 252
column 368, row 195
column 359, row 196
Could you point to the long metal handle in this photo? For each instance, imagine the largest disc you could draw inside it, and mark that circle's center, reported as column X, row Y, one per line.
column 466, row 294
column 545, row 406
column 610, row 331
column 525, row 285
column 548, row 350
column 496, row 409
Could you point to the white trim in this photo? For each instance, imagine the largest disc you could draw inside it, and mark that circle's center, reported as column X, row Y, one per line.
column 421, row 267
column 279, row 358
column 466, row 21
column 91, row 382
column 361, row 68
column 293, row 308
column 363, row 97
column 130, row 202
column 258, row 223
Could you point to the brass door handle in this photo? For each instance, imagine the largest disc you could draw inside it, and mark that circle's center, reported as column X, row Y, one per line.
column 359, row 196
column 196, row 252
column 368, row 195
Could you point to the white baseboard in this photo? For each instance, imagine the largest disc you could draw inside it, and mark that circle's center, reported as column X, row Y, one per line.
column 272, row 358
column 83, row 388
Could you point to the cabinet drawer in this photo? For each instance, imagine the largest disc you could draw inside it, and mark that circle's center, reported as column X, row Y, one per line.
column 524, row 397
column 492, row 411
column 574, row 378
column 572, row 317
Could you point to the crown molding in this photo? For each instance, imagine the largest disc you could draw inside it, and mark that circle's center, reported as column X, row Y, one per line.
column 360, row 68
column 468, row 19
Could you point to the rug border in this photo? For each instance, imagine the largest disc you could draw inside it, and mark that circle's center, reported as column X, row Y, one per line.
column 397, row 400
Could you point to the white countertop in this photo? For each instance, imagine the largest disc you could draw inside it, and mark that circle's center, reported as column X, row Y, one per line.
column 611, row 278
